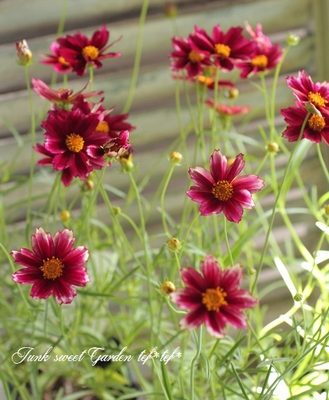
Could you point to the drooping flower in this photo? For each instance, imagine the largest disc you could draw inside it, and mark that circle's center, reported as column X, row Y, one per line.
column 71, row 144
column 117, row 145
column 316, row 127
column 224, row 49
column 80, row 51
column 185, row 58
column 56, row 60
column 224, row 109
column 61, row 96
column 306, row 91
column 53, row 266
column 213, row 297
column 221, row 190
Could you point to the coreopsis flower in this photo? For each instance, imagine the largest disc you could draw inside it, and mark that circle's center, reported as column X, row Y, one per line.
column 186, row 59
column 221, row 190
column 61, row 96
column 306, row 91
column 316, row 127
column 213, row 297
column 24, row 54
column 71, row 144
column 56, row 60
column 266, row 56
column 80, row 51
column 53, row 266
column 224, row 49
column 224, row 109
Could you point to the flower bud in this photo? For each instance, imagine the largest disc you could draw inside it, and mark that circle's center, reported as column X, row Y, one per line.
column 167, row 287
column 88, row 185
column 233, row 93
column 24, row 54
column 116, row 210
column 65, row 216
column 174, row 244
column 298, row 297
column 326, row 209
column 126, row 161
column 292, row 39
column 273, row 147
column 175, row 158
column 170, row 10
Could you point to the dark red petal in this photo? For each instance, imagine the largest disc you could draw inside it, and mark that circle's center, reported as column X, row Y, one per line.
column 211, row 271
column 218, row 166
column 42, row 244
column 193, row 278
column 194, row 318
column 215, row 324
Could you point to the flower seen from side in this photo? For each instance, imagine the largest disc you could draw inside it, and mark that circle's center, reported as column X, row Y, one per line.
column 53, row 266
column 213, row 297
column 224, row 109
column 221, row 189
column 306, row 91
column 61, row 96
column 56, row 60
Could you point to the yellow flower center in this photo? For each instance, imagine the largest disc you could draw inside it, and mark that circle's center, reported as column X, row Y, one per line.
column 91, row 52
column 317, row 99
column 223, row 50
column 52, row 268
column 222, row 190
column 74, row 142
column 260, row 61
column 195, row 57
column 62, row 61
column 103, row 127
column 213, row 299
column 316, row 122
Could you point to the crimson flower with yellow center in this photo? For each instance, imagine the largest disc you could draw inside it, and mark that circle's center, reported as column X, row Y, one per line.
column 221, row 190
column 213, row 297
column 79, row 51
column 316, row 127
column 306, row 91
column 71, row 143
column 53, row 266
column 224, row 49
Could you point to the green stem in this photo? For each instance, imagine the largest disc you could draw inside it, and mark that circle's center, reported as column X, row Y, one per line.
column 195, row 359
column 138, row 55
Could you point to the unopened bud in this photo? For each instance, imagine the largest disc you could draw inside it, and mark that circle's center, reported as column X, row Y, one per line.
column 233, row 93
column 126, row 161
column 88, row 185
column 116, row 210
column 65, row 216
column 273, row 147
column 174, row 244
column 326, row 209
column 175, row 158
column 298, row 297
column 24, row 54
column 292, row 39
column 167, row 287
column 170, row 10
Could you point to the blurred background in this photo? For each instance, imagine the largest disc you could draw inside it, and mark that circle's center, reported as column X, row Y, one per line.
column 153, row 110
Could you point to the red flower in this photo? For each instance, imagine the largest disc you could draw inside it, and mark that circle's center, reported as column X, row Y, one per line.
column 60, row 65
column 308, row 92
column 228, row 110
column 62, row 96
column 80, row 51
column 185, row 58
column 316, row 128
column 224, row 49
column 53, row 266
column 71, row 144
column 220, row 190
column 214, row 297
column 118, row 145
